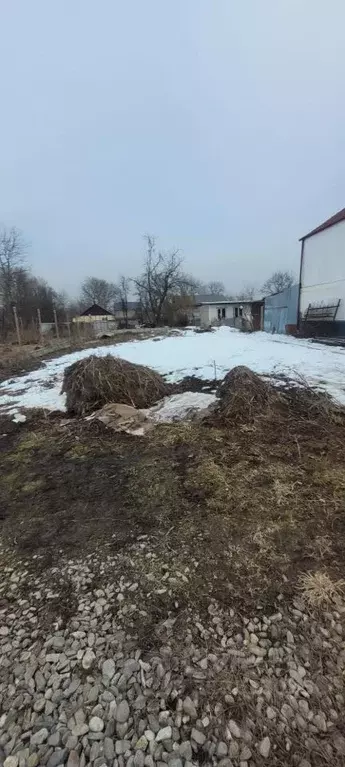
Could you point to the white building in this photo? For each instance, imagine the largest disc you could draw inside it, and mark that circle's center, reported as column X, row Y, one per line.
column 322, row 277
column 211, row 310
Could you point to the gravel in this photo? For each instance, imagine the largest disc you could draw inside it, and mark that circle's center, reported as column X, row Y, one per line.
column 87, row 678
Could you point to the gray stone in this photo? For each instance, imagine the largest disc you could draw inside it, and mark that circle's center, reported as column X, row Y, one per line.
column 54, row 739
column 57, row 757
column 108, row 748
column 164, row 734
column 175, row 762
column 88, row 659
column 80, row 729
column 265, row 747
column 122, row 712
column 198, row 737
column 39, row 737
column 234, row 729
column 121, row 746
column 222, row 749
column 189, row 708
column 185, row 750
column 73, row 759
column 139, row 759
column 96, row 724
column 11, row 761
column 108, row 669
column 245, row 754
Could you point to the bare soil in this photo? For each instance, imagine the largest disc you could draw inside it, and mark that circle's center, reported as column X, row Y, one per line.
column 264, row 499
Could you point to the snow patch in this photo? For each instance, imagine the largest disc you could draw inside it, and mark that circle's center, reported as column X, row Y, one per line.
column 190, row 353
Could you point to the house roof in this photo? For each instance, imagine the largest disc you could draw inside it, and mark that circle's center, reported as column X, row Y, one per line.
column 131, row 305
column 340, row 216
column 95, row 311
column 210, row 298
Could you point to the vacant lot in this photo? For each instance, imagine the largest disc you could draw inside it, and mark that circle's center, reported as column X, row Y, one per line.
column 175, row 598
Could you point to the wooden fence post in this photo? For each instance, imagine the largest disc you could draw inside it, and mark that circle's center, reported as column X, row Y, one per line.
column 56, row 324
column 68, row 326
column 39, row 326
column 16, row 322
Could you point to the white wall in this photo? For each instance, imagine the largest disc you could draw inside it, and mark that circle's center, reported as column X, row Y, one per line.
column 323, row 269
column 209, row 312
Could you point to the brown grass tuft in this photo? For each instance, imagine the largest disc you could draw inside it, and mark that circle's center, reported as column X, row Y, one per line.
column 318, row 589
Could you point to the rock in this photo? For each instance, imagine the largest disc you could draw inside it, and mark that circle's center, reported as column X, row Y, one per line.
column 39, row 737
column 176, row 762
column 222, row 749
column 234, row 729
column 108, row 749
column 270, row 713
column 11, row 761
column 189, row 708
column 88, row 658
column 121, row 746
column 142, row 743
column 185, row 750
column 320, row 722
column 33, row 760
column 73, row 759
column 122, row 712
column 80, row 729
column 96, row 724
column 108, row 669
column 164, row 734
column 265, row 747
column 58, row 642
column 139, row 759
column 57, row 757
column 245, row 754
column 198, row 737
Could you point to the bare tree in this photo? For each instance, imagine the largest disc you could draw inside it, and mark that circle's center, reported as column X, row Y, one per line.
column 247, row 293
column 12, row 257
column 98, row 291
column 161, row 279
column 123, row 289
column 278, row 282
column 216, row 288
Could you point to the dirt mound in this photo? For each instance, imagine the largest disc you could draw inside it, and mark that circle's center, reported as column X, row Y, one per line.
column 93, row 382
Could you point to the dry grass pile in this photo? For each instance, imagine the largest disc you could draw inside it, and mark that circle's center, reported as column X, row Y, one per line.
column 93, row 382
column 246, row 398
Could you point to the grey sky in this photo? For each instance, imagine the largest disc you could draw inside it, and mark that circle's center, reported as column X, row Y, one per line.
column 216, row 125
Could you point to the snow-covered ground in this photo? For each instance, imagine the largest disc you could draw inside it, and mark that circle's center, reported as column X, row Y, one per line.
column 201, row 354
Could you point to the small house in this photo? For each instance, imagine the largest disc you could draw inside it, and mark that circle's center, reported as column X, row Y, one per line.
column 99, row 320
column 236, row 313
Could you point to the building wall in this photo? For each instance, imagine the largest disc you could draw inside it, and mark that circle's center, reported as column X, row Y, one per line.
column 323, row 269
column 281, row 310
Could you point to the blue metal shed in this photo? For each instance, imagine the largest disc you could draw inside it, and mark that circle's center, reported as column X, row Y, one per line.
column 281, row 310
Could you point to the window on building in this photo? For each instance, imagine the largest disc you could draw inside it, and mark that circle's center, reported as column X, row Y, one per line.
column 223, row 313
column 238, row 311
column 218, row 312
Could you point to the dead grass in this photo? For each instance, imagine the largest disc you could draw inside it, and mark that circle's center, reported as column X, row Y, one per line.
column 319, row 590
column 93, row 382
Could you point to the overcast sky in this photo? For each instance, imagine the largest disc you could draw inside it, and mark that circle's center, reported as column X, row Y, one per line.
column 214, row 124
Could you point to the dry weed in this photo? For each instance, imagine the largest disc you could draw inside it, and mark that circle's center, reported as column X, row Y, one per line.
column 318, row 589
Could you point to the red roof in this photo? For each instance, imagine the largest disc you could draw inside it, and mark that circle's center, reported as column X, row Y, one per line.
column 340, row 216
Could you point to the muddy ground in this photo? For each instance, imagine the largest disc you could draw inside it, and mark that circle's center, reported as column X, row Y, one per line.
column 264, row 502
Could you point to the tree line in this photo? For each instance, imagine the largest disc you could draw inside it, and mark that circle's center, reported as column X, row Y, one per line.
column 164, row 290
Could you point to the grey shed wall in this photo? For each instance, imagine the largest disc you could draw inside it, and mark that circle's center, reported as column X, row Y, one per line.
column 281, row 310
